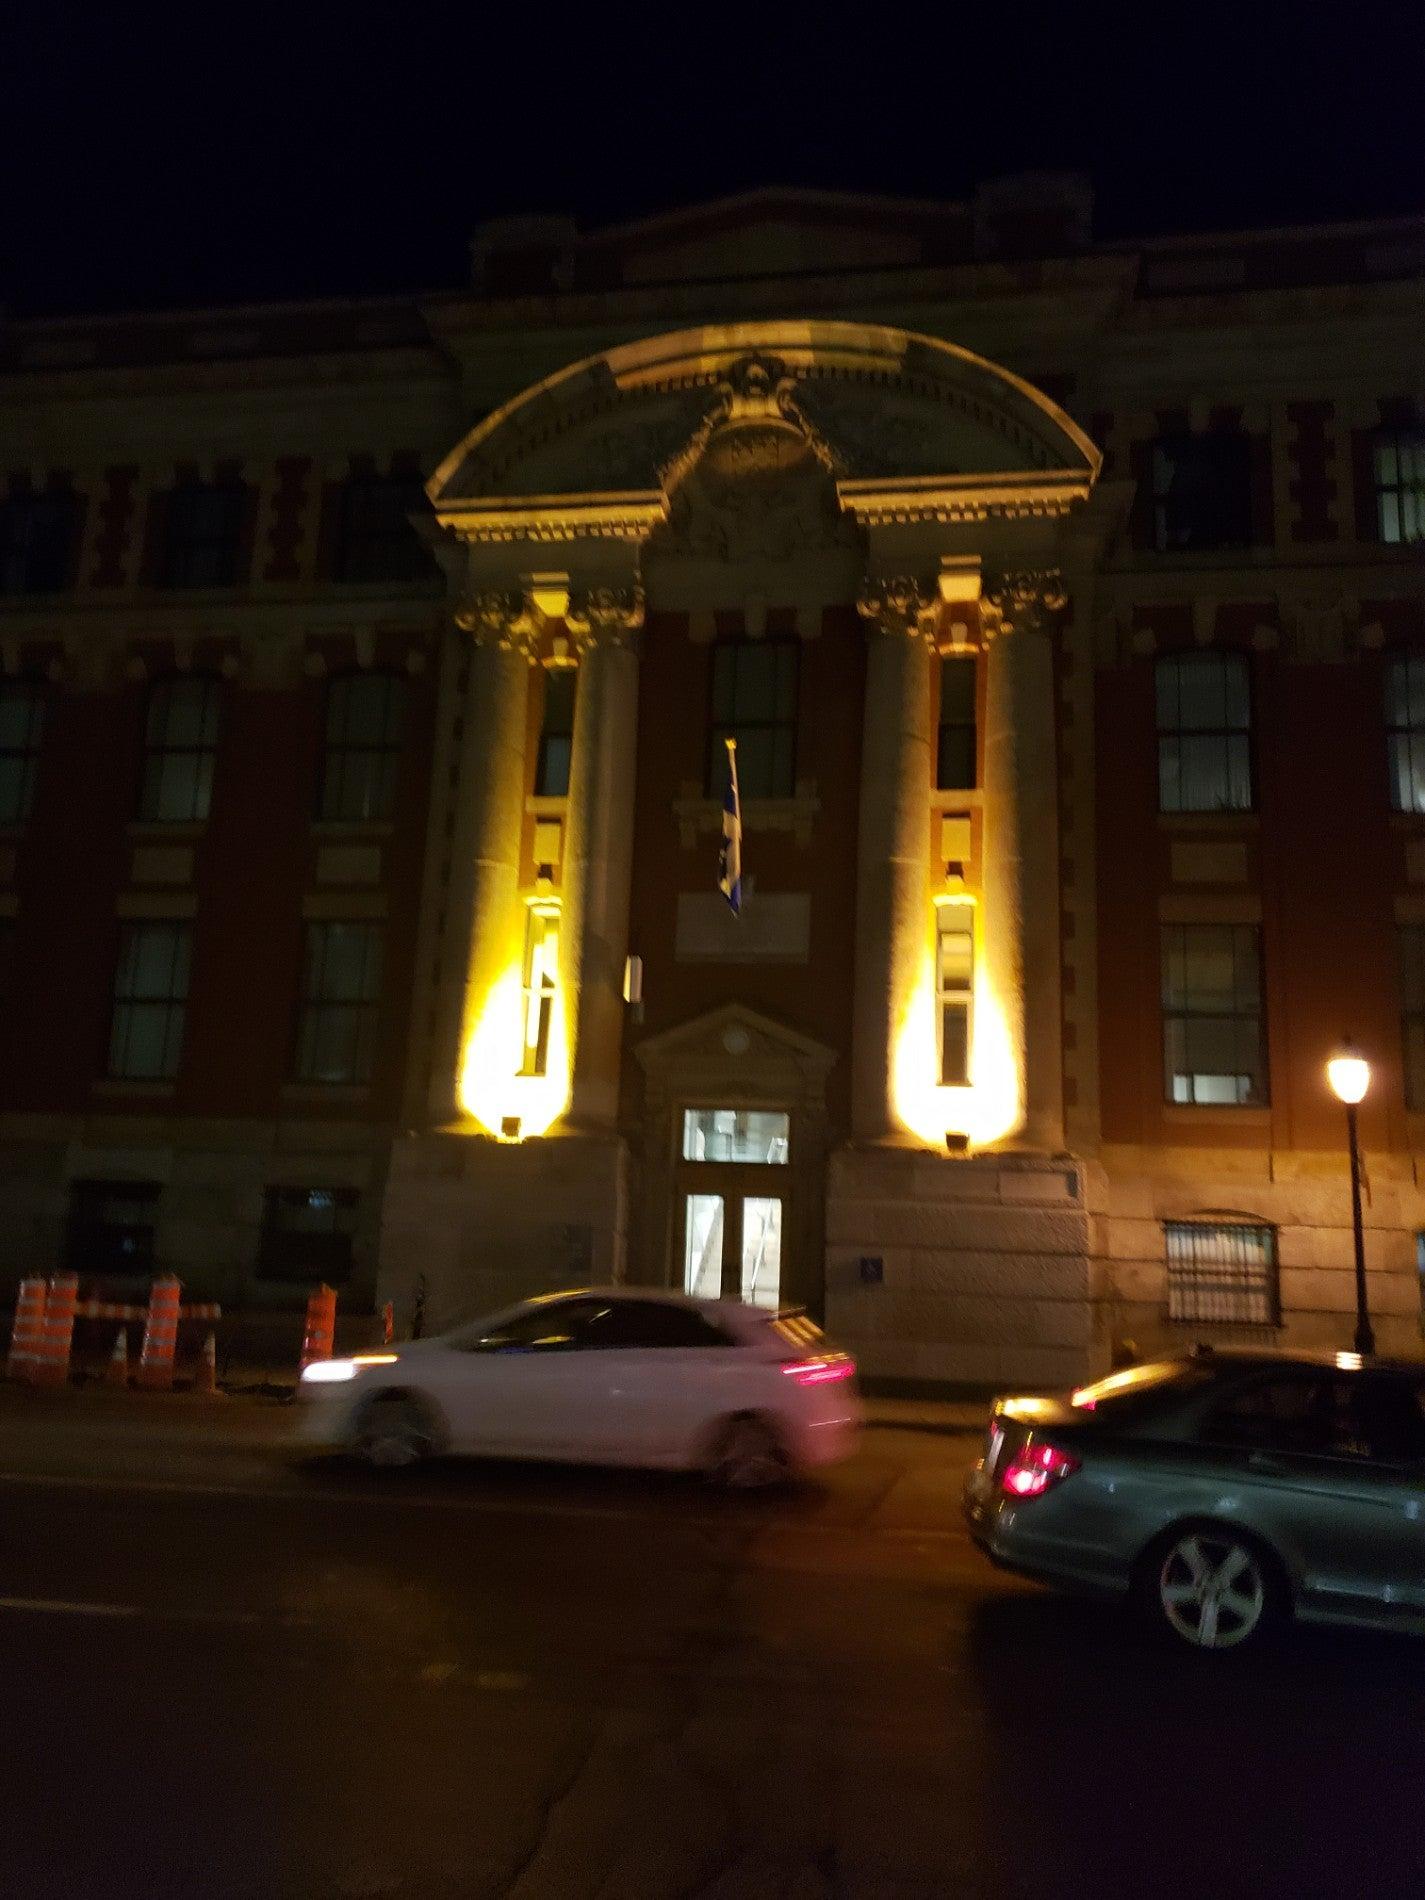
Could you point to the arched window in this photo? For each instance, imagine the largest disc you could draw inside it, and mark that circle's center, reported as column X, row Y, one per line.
column 364, row 728
column 180, row 750
column 1204, row 703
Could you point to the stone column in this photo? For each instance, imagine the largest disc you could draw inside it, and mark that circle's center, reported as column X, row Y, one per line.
column 598, row 848
column 892, row 892
column 1020, row 871
column 485, row 847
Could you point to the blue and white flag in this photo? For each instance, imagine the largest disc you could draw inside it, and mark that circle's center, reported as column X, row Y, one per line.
column 729, row 874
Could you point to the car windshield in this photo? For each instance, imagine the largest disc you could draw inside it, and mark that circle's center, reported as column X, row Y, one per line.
column 1120, row 1391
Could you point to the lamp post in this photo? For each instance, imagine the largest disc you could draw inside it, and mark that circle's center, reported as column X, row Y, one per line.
column 1350, row 1076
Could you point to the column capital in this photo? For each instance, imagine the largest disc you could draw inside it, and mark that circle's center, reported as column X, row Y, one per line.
column 503, row 617
column 900, row 604
column 605, row 616
column 1025, row 597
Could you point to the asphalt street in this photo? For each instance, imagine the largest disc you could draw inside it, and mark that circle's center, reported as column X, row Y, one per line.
column 223, row 1674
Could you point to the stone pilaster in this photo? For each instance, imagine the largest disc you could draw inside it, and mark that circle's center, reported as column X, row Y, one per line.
column 485, row 848
column 1020, row 873
column 892, row 891
column 598, row 849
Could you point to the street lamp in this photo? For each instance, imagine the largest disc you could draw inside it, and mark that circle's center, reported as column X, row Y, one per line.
column 1350, row 1076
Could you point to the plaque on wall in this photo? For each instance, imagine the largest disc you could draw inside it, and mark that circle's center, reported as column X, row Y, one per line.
column 774, row 927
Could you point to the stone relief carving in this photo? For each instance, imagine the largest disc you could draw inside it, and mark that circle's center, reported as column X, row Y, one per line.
column 501, row 617
column 898, row 603
column 1026, row 597
column 609, row 616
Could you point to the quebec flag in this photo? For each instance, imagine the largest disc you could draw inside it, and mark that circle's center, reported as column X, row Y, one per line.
column 729, row 878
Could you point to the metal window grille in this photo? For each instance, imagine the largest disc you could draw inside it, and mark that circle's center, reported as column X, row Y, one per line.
column 180, row 750
column 1405, row 732
column 754, row 700
column 341, row 996
column 1222, row 1273
column 365, row 722
column 1204, row 704
column 22, row 709
column 1400, row 485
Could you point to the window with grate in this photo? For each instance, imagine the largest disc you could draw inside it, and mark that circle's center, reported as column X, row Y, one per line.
column 37, row 542
column 341, row 999
column 150, row 1001
column 956, row 762
column 1202, row 491
column 203, row 527
column 111, row 1228
column 364, row 727
column 754, row 701
column 1213, row 1046
column 22, row 712
column 1204, row 712
column 1398, row 459
column 1411, row 941
column 180, row 750
column 556, row 733
column 308, row 1234
column 1405, row 731
column 376, row 539
column 1222, row 1273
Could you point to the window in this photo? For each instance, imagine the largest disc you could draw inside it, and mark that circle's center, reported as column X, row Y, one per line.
column 1212, row 1013
column 954, row 990
column 150, row 1000
column 111, row 1228
column 307, row 1234
column 180, row 748
column 628, row 1325
column 955, row 750
column 541, row 981
column 1323, row 1415
column 1222, row 1273
column 556, row 733
column 22, row 710
column 550, row 1326
column 376, row 540
column 37, row 543
column 1405, row 732
column 365, row 719
column 754, row 701
column 203, row 535
column 341, row 994
column 1411, row 940
column 736, row 1134
column 1202, row 491
column 1204, row 732
column 1399, row 463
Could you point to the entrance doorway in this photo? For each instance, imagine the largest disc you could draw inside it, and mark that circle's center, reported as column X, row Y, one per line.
column 733, row 1184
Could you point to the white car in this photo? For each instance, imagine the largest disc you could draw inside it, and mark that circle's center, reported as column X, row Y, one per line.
column 610, row 1376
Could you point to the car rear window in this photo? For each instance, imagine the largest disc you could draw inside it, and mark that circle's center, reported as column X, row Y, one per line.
column 1123, row 1392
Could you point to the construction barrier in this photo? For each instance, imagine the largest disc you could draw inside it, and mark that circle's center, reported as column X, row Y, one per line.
column 388, row 1323
column 320, row 1333
column 27, row 1338
column 57, row 1333
column 160, row 1336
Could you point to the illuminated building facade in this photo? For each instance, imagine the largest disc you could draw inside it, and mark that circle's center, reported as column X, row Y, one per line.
column 367, row 672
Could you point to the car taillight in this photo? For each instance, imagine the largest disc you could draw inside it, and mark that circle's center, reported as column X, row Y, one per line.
column 819, row 1371
column 1035, row 1469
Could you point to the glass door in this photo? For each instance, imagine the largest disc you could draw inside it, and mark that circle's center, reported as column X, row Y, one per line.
column 732, row 1247
column 704, row 1222
column 761, row 1250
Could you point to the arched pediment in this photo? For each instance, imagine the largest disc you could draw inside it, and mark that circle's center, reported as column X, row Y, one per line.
column 893, row 419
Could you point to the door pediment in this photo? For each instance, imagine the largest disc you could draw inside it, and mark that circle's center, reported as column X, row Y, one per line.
column 734, row 1057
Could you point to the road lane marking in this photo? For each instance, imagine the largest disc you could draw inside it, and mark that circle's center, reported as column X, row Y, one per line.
column 56, row 1606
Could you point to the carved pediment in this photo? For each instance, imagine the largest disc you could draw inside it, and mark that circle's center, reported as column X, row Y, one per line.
column 735, row 1056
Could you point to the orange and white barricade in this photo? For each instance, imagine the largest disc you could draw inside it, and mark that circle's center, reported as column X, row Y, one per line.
column 160, row 1335
column 388, row 1323
column 57, row 1333
column 27, row 1339
column 320, row 1333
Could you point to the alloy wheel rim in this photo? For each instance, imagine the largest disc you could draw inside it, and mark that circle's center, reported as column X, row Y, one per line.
column 393, row 1443
column 750, row 1461
column 1212, row 1591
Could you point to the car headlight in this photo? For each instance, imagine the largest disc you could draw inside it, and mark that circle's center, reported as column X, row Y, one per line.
column 328, row 1371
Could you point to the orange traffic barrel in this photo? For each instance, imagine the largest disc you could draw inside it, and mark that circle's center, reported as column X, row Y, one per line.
column 160, row 1335
column 27, row 1338
column 57, row 1333
column 320, row 1333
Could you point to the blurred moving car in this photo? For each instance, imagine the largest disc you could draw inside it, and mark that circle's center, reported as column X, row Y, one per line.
column 612, row 1376
column 1220, row 1490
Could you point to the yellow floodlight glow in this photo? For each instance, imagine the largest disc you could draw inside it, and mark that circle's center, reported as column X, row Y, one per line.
column 985, row 1110
column 492, row 1089
column 1349, row 1076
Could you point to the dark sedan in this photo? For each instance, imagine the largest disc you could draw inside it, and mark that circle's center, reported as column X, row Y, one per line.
column 1221, row 1490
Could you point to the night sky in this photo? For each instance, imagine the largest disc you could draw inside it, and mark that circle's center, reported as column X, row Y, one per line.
column 156, row 157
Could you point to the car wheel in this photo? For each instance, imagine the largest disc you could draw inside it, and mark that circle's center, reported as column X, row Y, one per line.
column 395, row 1433
column 1211, row 1587
column 748, row 1455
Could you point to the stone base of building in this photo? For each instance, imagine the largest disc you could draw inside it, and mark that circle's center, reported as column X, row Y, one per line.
column 944, row 1271
column 470, row 1224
